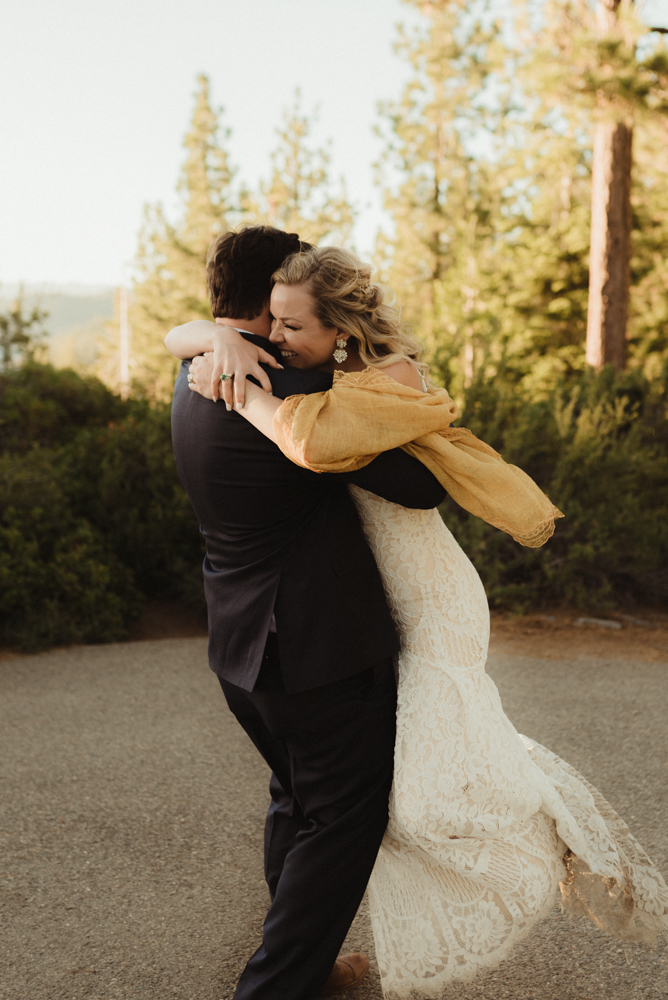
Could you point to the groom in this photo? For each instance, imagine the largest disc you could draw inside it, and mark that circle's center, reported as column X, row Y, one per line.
column 300, row 636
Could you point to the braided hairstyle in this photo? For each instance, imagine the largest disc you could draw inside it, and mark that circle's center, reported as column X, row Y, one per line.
column 346, row 298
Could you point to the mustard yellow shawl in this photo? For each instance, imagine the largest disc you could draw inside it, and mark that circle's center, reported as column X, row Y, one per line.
column 366, row 413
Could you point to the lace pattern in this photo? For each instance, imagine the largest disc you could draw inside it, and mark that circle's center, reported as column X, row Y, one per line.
column 485, row 825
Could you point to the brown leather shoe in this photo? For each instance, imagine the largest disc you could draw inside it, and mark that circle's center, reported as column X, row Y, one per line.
column 348, row 972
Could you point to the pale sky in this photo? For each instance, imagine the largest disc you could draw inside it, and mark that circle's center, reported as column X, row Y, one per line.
column 95, row 98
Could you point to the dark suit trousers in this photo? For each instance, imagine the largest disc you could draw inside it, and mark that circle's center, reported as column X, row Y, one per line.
column 331, row 752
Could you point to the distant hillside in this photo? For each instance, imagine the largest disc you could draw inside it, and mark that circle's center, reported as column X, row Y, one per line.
column 76, row 319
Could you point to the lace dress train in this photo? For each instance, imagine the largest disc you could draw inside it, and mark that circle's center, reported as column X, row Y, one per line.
column 485, row 825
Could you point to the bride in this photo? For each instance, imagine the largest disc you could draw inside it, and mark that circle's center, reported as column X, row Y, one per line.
column 486, row 825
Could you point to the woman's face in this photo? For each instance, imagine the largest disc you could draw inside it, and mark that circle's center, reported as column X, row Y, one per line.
column 298, row 333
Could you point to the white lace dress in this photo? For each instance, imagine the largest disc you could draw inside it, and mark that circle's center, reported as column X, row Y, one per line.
column 485, row 824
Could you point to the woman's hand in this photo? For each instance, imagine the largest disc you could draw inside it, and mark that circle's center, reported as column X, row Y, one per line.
column 199, row 375
column 259, row 408
column 232, row 355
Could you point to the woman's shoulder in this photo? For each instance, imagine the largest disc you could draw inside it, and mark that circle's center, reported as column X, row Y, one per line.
column 405, row 373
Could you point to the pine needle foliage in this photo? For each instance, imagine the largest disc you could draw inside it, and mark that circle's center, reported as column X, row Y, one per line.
column 170, row 285
column 487, row 176
column 299, row 196
column 170, row 282
column 21, row 335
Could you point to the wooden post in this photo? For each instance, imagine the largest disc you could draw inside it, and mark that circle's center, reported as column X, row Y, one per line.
column 124, row 345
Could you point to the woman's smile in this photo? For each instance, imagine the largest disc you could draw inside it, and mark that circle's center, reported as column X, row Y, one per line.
column 296, row 325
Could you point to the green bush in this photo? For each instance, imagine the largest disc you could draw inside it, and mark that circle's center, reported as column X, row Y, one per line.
column 123, row 479
column 40, row 405
column 59, row 581
column 599, row 448
column 93, row 519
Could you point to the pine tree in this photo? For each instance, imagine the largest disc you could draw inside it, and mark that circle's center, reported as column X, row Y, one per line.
column 444, row 259
column 22, row 335
column 490, row 249
column 589, row 61
column 170, row 287
column 299, row 196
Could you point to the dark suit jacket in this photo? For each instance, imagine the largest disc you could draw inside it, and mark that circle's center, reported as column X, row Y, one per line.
column 281, row 538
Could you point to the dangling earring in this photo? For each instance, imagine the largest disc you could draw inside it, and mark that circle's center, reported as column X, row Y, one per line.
column 340, row 354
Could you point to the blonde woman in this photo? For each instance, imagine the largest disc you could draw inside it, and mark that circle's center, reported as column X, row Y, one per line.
column 485, row 825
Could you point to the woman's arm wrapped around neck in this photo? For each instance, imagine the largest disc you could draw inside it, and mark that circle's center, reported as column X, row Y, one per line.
column 362, row 415
column 366, row 413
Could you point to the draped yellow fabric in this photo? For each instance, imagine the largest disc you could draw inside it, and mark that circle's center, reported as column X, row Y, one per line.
column 366, row 413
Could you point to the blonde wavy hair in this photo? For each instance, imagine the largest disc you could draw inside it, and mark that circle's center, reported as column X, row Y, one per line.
column 346, row 298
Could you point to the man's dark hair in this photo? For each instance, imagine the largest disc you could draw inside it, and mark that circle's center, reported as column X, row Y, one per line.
column 239, row 267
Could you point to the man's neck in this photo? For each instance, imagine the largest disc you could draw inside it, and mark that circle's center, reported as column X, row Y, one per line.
column 260, row 326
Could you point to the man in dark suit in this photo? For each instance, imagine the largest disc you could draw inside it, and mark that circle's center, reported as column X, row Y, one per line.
column 301, row 639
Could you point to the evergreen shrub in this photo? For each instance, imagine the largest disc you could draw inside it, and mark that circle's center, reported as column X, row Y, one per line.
column 93, row 519
column 599, row 448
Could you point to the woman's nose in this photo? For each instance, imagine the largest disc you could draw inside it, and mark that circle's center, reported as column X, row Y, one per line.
column 276, row 336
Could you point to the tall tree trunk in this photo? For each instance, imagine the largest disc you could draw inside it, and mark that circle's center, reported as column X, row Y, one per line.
column 610, row 245
column 610, row 252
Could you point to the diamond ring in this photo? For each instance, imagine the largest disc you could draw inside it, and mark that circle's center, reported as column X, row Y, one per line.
column 191, row 378
column 225, row 377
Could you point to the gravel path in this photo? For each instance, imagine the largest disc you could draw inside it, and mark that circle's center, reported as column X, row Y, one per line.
column 132, row 824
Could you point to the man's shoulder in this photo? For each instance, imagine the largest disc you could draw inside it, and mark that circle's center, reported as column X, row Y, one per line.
column 182, row 375
column 284, row 382
column 263, row 342
column 295, row 382
column 182, row 399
